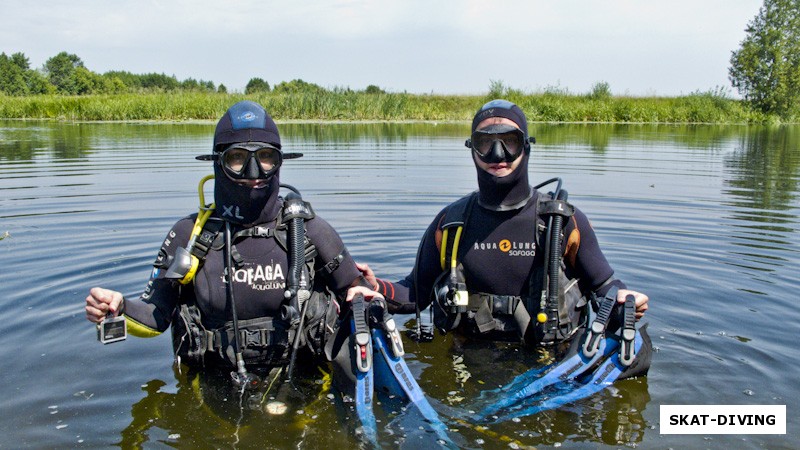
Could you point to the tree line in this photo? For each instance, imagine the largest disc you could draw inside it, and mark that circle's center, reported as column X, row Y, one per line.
column 65, row 74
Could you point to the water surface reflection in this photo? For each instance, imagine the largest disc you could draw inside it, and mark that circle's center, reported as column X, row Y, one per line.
column 702, row 218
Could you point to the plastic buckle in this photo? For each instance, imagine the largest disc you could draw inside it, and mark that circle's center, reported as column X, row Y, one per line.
column 626, row 350
column 394, row 336
column 592, row 343
column 363, row 352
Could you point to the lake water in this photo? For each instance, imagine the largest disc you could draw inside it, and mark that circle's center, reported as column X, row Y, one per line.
column 702, row 218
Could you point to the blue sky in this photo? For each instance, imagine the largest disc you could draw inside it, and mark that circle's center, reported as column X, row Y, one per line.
column 644, row 47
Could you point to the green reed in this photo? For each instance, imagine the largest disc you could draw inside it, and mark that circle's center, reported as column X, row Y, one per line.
column 346, row 105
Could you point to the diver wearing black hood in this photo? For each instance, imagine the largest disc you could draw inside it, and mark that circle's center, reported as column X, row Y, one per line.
column 500, row 252
column 511, row 190
column 247, row 156
column 246, row 124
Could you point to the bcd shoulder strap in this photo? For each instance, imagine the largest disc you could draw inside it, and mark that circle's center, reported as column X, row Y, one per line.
column 455, row 219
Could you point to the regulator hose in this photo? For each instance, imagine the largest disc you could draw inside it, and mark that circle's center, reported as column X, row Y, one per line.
column 553, row 266
column 240, row 377
column 297, row 290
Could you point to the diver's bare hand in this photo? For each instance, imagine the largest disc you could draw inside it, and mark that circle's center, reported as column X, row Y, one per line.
column 368, row 294
column 102, row 302
column 368, row 274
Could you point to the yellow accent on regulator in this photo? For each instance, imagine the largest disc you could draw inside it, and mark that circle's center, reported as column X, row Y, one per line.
column 541, row 317
column 202, row 217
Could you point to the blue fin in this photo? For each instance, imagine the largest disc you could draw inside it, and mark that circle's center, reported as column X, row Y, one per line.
column 364, row 373
column 397, row 379
column 363, row 402
column 379, row 364
column 569, row 369
column 572, row 389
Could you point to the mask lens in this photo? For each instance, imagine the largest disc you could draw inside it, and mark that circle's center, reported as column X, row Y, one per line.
column 267, row 158
column 235, row 159
column 482, row 143
column 513, row 142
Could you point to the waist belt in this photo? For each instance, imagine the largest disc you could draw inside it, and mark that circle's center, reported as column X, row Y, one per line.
column 253, row 333
column 487, row 306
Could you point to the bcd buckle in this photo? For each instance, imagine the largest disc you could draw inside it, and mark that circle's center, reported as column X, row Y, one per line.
column 598, row 328
column 626, row 350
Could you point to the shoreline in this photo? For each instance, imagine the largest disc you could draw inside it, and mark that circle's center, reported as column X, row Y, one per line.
column 364, row 121
column 342, row 108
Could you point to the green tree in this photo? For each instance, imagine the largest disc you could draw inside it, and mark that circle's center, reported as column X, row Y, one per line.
column 256, row 85
column 17, row 78
column 298, row 86
column 766, row 67
column 190, row 84
column 12, row 77
column 20, row 60
column 38, row 83
column 159, row 81
column 84, row 82
column 60, row 70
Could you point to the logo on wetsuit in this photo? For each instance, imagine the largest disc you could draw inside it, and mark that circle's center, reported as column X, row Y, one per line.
column 525, row 249
column 261, row 277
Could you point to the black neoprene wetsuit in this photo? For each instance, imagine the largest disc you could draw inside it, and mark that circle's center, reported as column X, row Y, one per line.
column 499, row 252
column 258, row 282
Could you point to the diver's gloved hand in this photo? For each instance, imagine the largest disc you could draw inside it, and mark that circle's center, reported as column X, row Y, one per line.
column 368, row 294
column 641, row 301
column 101, row 303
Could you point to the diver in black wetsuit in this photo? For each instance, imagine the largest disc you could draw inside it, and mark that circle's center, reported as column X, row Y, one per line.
column 500, row 254
column 251, row 216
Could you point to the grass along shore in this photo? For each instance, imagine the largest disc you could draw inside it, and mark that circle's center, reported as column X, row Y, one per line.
column 360, row 106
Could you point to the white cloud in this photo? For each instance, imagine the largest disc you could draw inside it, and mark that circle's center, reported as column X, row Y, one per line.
column 421, row 46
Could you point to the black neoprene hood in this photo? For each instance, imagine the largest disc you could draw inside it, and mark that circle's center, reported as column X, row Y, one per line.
column 501, row 108
column 246, row 121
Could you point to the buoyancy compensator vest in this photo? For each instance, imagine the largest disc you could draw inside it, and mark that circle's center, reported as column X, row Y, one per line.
column 554, row 307
column 263, row 340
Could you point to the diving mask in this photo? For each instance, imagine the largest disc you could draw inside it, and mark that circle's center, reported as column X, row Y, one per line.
column 497, row 143
column 250, row 160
